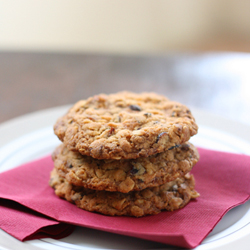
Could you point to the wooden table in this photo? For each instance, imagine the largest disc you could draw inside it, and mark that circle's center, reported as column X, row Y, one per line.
column 218, row 83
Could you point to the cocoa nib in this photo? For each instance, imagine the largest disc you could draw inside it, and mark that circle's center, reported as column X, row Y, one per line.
column 137, row 169
column 160, row 135
column 134, row 171
column 147, row 114
column 135, row 107
column 185, row 147
column 111, row 131
column 174, row 114
column 176, row 146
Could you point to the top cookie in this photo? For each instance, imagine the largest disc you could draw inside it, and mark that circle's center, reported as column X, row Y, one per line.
column 125, row 125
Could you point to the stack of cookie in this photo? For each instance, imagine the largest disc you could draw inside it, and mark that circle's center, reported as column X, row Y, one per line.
column 125, row 154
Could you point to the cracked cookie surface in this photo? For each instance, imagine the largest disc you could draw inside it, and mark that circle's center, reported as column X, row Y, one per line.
column 170, row 196
column 125, row 125
column 124, row 175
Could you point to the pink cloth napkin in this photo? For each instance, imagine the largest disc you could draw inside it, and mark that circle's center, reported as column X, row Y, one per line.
column 29, row 208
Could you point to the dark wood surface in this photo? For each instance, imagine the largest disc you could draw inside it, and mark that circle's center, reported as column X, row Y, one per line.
column 218, row 83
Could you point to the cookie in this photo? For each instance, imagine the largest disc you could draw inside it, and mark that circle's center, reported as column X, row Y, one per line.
column 124, row 175
column 169, row 196
column 125, row 125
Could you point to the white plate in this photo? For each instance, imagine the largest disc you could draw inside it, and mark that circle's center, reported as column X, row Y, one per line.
column 34, row 138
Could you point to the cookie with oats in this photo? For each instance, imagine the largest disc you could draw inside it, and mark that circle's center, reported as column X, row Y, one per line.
column 124, row 175
column 125, row 125
column 169, row 196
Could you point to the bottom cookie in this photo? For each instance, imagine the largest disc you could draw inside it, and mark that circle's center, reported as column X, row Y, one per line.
column 169, row 196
